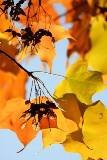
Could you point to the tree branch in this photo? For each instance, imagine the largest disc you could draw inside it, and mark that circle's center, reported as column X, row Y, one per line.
column 30, row 74
column 11, row 58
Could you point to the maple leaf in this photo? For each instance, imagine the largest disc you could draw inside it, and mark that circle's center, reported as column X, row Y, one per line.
column 9, row 119
column 45, row 14
column 97, row 56
column 5, row 63
column 45, row 49
column 54, row 136
column 69, row 121
column 94, row 130
column 94, row 127
column 10, row 74
column 80, row 81
column 4, row 44
column 81, row 33
column 75, row 146
column 58, row 31
column 58, row 135
column 9, row 85
column 12, row 111
column 4, row 22
column 71, row 109
column 90, row 141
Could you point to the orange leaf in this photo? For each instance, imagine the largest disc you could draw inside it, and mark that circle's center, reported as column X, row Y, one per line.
column 4, row 22
column 9, row 119
column 81, row 34
column 71, row 107
column 5, row 63
column 45, row 14
column 48, row 123
column 12, row 86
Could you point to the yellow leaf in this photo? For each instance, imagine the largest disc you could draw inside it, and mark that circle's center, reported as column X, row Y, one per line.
column 53, row 136
column 74, row 146
column 80, row 81
column 69, row 121
column 95, row 130
column 102, row 2
column 65, row 124
column 97, row 56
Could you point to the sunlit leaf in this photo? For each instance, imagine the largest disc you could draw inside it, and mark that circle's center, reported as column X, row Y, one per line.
column 45, row 49
column 9, row 119
column 4, row 22
column 71, row 107
column 5, row 63
column 97, row 55
column 74, row 146
column 58, row 31
column 81, row 33
column 45, row 14
column 69, row 120
column 12, row 86
column 91, row 142
column 80, row 81
column 64, row 123
column 95, row 129
column 53, row 136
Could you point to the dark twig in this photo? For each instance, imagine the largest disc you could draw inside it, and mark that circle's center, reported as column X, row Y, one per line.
column 30, row 74
column 64, row 14
column 19, row 65
column 54, row 74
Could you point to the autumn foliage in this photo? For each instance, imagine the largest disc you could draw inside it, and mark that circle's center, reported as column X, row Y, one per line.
column 30, row 28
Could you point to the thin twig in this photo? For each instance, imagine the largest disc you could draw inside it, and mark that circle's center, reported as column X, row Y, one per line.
column 30, row 74
column 54, row 74
column 19, row 65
